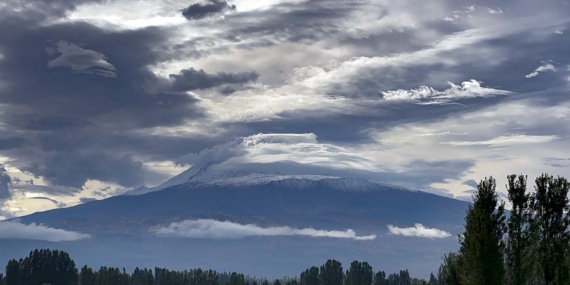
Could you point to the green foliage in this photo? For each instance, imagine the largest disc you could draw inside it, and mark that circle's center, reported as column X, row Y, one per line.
column 380, row 278
column 359, row 273
column 482, row 247
column 42, row 267
column 449, row 271
column 432, row 280
column 237, row 279
column 534, row 242
column 13, row 273
column 87, row 276
column 331, row 273
column 310, row 276
column 518, row 252
column 142, row 277
column 550, row 209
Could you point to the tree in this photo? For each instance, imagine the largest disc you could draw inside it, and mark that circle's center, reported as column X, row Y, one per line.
column 380, row 278
column 13, row 273
column 551, row 222
column 237, row 279
column 359, row 273
column 43, row 267
column 432, row 280
column 310, row 276
column 331, row 273
column 449, row 271
column 518, row 253
column 481, row 246
column 405, row 277
column 86, row 276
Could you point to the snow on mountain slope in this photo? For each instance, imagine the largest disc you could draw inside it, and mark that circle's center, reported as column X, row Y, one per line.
column 262, row 158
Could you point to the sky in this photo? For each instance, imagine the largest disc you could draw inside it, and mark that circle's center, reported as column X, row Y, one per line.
column 101, row 97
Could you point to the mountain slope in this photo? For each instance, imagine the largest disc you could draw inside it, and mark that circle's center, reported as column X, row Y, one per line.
column 264, row 202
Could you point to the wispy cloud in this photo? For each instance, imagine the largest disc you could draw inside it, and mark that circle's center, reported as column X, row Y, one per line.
column 546, row 66
column 428, row 95
column 208, row 228
column 506, row 140
column 418, row 230
column 14, row 230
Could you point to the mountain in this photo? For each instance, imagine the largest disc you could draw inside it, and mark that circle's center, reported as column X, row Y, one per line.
column 265, row 223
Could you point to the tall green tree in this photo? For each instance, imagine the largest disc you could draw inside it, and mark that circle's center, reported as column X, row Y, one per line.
column 449, row 271
column 551, row 221
column 359, row 273
column 47, row 266
column 13, row 273
column 86, row 276
column 518, row 252
column 432, row 280
column 310, row 276
column 380, row 278
column 331, row 273
column 237, row 279
column 481, row 246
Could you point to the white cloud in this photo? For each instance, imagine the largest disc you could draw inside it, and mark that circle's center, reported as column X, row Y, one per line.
column 81, row 60
column 496, row 139
column 418, row 230
column 14, row 230
column 428, row 95
column 546, row 66
column 506, row 140
column 208, row 228
column 121, row 15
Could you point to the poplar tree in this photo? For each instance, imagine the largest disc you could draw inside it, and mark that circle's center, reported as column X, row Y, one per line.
column 359, row 273
column 518, row 252
column 481, row 246
column 550, row 222
column 331, row 273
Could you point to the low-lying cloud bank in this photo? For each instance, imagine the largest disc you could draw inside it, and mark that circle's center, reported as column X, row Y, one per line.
column 418, row 231
column 208, row 228
column 14, row 230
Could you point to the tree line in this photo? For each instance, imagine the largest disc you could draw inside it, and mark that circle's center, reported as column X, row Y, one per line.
column 54, row 267
column 529, row 245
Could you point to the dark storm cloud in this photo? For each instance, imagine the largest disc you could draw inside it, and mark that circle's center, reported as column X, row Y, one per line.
column 73, row 168
column 199, row 11
column 10, row 143
column 297, row 22
column 69, row 125
column 192, row 79
column 44, row 93
column 5, row 182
